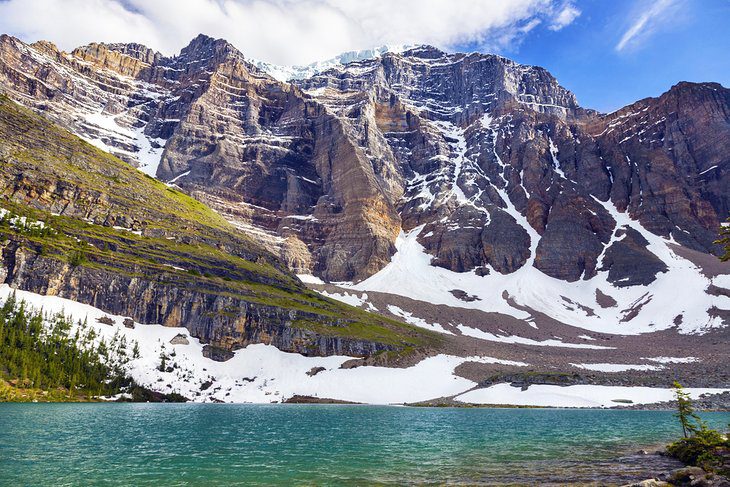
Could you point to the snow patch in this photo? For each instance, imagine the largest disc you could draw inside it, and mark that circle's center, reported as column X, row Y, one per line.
column 347, row 298
column 672, row 360
column 310, row 279
column 580, row 396
column 414, row 320
column 483, row 335
column 616, row 367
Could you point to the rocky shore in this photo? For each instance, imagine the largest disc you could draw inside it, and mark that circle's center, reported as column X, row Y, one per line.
column 707, row 402
column 684, row 476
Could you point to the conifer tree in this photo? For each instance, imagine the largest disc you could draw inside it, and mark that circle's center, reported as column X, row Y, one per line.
column 691, row 423
column 725, row 241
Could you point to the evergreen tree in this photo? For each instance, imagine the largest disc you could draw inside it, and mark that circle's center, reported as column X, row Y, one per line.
column 691, row 423
column 163, row 361
column 725, row 241
column 41, row 352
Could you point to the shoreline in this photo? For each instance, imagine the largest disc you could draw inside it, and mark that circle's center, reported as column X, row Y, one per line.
column 322, row 402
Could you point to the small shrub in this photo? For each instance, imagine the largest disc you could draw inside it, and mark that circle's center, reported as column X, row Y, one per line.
column 701, row 446
column 77, row 258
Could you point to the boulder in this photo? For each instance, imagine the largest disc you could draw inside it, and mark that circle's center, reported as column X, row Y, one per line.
column 180, row 339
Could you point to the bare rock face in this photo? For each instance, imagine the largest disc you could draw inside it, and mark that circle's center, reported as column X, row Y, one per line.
column 296, row 255
column 256, row 148
column 493, row 163
column 104, row 234
column 574, row 236
column 224, row 322
column 669, row 159
column 628, row 261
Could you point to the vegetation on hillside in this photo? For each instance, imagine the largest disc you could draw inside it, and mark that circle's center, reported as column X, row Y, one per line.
column 121, row 221
column 725, row 241
column 48, row 358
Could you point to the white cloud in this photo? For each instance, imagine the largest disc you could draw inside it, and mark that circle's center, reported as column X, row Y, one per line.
column 566, row 16
column 646, row 21
column 283, row 31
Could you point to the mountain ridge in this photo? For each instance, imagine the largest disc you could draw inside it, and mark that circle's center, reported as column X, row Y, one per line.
column 495, row 162
column 486, row 226
column 122, row 241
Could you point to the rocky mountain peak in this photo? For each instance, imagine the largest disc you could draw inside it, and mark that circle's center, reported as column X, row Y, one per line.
column 203, row 48
column 137, row 51
column 7, row 39
column 688, row 86
column 47, row 47
column 204, row 56
column 495, row 159
column 291, row 73
column 125, row 59
column 424, row 51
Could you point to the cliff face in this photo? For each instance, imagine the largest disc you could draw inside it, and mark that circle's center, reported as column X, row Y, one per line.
column 83, row 225
column 494, row 163
column 670, row 161
column 215, row 317
column 256, row 149
column 504, row 168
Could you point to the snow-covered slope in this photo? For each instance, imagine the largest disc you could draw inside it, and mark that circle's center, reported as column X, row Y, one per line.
column 263, row 374
column 636, row 309
column 288, row 73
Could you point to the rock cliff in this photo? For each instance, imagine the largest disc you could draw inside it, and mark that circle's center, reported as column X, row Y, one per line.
column 81, row 224
column 493, row 164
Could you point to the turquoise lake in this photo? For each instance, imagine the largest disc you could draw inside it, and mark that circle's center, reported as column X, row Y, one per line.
column 218, row 444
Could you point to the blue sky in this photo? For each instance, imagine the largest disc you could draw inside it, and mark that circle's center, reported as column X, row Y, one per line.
column 687, row 41
column 608, row 52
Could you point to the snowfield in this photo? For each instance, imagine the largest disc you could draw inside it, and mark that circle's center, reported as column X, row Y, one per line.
column 617, row 367
column 578, row 396
column 483, row 335
column 263, row 374
column 656, row 306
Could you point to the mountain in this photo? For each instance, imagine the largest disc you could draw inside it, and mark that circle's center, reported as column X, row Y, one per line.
column 461, row 193
column 84, row 225
column 290, row 73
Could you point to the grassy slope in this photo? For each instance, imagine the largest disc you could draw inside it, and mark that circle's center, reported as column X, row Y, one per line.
column 215, row 257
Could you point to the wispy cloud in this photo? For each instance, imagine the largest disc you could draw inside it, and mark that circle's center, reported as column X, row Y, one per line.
column 566, row 15
column 646, row 21
column 284, row 31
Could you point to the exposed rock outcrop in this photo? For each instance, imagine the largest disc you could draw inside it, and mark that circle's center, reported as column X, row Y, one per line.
column 105, row 234
column 491, row 166
column 495, row 158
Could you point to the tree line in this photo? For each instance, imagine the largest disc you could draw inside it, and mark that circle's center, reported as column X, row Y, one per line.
column 48, row 352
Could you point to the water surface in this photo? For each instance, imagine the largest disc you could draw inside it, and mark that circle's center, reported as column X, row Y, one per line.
column 219, row 444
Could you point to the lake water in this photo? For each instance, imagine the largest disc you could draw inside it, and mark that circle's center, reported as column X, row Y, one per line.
column 218, row 444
